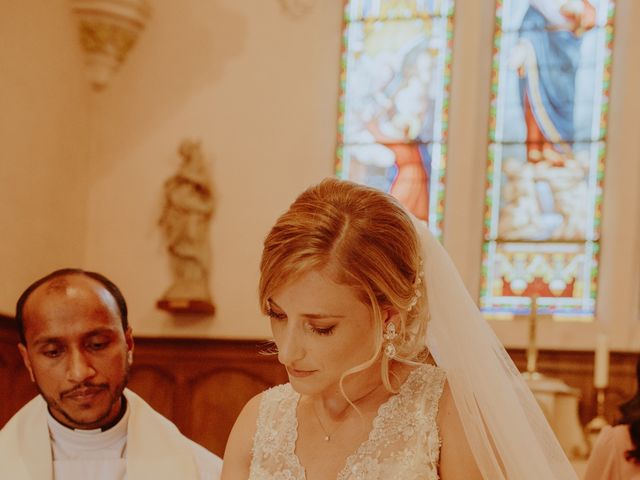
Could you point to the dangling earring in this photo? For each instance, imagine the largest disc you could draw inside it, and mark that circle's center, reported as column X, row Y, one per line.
column 389, row 335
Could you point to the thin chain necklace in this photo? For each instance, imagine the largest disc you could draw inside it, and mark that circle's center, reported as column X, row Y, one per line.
column 327, row 433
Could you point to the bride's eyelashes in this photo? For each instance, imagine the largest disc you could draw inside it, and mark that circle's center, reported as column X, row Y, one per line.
column 279, row 316
column 276, row 315
column 322, row 330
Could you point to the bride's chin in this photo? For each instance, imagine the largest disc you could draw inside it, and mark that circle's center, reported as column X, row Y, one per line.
column 305, row 389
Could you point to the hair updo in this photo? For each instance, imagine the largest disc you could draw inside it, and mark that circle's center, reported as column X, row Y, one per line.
column 370, row 244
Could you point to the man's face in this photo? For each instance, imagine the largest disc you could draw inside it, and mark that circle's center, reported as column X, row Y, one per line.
column 76, row 350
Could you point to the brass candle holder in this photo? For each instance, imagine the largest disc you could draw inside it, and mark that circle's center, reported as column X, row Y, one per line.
column 598, row 422
column 600, row 382
column 532, row 346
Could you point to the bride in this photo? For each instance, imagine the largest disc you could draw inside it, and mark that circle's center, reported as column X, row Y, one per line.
column 393, row 373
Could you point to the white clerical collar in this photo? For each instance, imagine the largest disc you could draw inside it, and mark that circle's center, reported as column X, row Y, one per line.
column 74, row 443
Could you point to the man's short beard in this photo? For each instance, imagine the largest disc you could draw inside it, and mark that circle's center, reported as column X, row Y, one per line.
column 54, row 405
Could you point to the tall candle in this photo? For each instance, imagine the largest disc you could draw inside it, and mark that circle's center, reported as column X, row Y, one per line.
column 601, row 366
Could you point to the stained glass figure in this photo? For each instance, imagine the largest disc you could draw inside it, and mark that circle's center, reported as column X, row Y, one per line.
column 394, row 100
column 550, row 89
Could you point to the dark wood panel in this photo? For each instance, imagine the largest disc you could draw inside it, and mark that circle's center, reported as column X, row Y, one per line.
column 156, row 384
column 16, row 387
column 213, row 403
column 202, row 384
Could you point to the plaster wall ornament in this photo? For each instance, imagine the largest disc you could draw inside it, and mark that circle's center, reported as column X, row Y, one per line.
column 188, row 207
column 297, row 8
column 108, row 30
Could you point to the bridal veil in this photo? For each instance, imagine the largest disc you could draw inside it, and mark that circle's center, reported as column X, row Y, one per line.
column 506, row 429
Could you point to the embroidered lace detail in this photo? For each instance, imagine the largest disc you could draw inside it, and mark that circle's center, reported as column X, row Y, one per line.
column 273, row 453
column 403, row 443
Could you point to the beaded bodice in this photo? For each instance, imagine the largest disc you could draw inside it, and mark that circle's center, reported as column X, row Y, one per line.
column 403, row 442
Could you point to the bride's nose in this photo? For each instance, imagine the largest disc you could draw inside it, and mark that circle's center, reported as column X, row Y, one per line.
column 290, row 345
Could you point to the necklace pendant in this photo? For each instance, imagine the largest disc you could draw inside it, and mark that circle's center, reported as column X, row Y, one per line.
column 327, row 438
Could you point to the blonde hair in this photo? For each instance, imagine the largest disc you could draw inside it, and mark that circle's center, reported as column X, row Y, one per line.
column 369, row 244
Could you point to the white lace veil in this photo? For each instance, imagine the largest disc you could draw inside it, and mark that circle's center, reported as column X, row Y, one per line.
column 506, row 429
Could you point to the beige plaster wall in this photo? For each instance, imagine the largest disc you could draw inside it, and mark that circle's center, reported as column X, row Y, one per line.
column 82, row 172
column 259, row 88
column 44, row 133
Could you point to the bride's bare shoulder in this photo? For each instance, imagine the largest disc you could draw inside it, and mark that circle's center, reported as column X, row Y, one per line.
column 237, row 454
column 456, row 458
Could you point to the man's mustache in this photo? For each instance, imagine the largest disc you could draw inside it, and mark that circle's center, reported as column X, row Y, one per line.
column 84, row 388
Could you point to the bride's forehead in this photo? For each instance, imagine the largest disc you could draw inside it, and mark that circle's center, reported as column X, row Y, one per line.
column 314, row 287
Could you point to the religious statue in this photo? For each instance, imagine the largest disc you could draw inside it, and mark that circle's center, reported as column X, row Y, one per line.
column 186, row 214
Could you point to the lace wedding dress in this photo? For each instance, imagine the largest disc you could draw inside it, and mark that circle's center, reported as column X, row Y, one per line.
column 403, row 443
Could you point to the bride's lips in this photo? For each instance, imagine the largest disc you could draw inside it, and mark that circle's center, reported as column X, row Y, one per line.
column 299, row 373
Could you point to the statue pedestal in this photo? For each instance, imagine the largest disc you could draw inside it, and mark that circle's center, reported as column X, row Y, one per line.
column 559, row 402
column 186, row 306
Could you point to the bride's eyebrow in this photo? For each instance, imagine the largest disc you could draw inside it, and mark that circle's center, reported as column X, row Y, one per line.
column 310, row 316
column 321, row 316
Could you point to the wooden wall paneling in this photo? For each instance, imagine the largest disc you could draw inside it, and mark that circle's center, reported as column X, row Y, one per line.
column 622, row 383
column 156, row 384
column 201, row 384
column 213, row 379
column 215, row 406
column 16, row 387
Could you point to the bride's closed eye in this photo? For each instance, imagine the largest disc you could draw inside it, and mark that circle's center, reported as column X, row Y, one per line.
column 322, row 330
column 276, row 315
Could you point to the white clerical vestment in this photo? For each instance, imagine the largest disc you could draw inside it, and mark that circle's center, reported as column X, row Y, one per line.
column 94, row 454
column 142, row 445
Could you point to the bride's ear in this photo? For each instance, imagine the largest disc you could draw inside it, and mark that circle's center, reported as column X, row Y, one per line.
column 390, row 314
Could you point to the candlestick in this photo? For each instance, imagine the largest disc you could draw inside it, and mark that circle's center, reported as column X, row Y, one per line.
column 532, row 347
column 601, row 362
column 598, row 422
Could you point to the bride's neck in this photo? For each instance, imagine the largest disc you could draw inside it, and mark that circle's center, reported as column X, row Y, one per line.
column 362, row 389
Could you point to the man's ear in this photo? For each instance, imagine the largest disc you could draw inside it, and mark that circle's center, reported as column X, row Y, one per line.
column 24, row 353
column 128, row 337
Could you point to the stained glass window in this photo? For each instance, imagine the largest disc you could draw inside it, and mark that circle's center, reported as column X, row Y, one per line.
column 396, row 71
column 547, row 142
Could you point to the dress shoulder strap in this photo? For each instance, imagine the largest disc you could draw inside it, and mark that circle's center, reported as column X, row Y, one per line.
column 276, row 433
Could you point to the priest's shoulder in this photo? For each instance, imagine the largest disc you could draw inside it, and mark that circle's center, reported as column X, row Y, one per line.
column 146, row 424
column 24, row 417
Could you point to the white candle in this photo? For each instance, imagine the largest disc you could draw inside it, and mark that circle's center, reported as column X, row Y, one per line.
column 601, row 366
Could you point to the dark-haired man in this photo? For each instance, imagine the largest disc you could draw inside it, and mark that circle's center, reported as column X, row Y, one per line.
column 77, row 346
